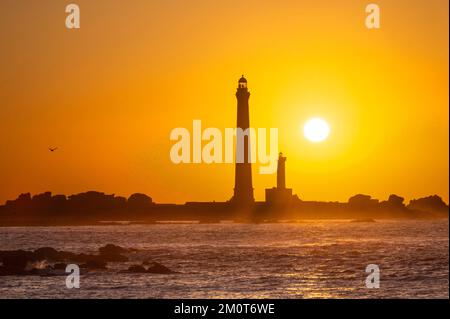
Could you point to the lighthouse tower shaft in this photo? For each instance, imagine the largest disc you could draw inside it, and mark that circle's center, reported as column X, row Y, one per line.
column 243, row 188
column 281, row 172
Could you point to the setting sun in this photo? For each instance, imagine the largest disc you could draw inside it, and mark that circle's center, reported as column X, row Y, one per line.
column 316, row 130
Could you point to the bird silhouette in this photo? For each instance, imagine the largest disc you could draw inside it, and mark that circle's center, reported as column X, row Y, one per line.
column 52, row 149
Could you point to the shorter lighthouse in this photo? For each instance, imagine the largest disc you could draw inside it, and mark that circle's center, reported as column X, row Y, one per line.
column 280, row 195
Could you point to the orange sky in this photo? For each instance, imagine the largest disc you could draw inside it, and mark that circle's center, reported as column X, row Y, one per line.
column 109, row 94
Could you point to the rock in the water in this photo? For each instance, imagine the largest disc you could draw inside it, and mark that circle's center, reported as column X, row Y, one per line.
column 111, row 249
column 112, row 253
column 20, row 262
column 66, row 256
column 94, row 264
column 137, row 269
column 112, row 258
column 83, row 258
column 47, row 253
column 157, row 268
column 15, row 262
column 60, row 266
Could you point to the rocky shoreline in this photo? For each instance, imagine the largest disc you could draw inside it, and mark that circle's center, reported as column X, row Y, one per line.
column 48, row 261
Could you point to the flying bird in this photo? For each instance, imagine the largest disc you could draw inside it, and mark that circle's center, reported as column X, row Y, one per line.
column 52, row 149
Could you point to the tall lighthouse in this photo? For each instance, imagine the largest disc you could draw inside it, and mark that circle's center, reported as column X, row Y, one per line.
column 243, row 188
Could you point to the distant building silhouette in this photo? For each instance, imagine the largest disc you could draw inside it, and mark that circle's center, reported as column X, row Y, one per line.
column 280, row 195
column 243, row 188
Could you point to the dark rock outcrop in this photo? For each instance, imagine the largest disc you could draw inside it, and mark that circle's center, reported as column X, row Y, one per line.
column 112, row 258
column 112, row 253
column 136, row 269
column 111, row 249
column 19, row 262
column 432, row 204
column 35, row 263
column 94, row 264
column 48, row 253
column 15, row 262
column 157, row 268
column 139, row 201
column 361, row 201
column 60, row 266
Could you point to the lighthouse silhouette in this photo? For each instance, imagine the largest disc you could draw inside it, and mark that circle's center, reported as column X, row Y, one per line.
column 243, row 188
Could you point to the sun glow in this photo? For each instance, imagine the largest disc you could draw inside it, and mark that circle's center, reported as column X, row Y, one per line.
column 316, row 130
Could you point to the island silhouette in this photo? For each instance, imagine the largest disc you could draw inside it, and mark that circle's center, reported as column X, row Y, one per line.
column 93, row 207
